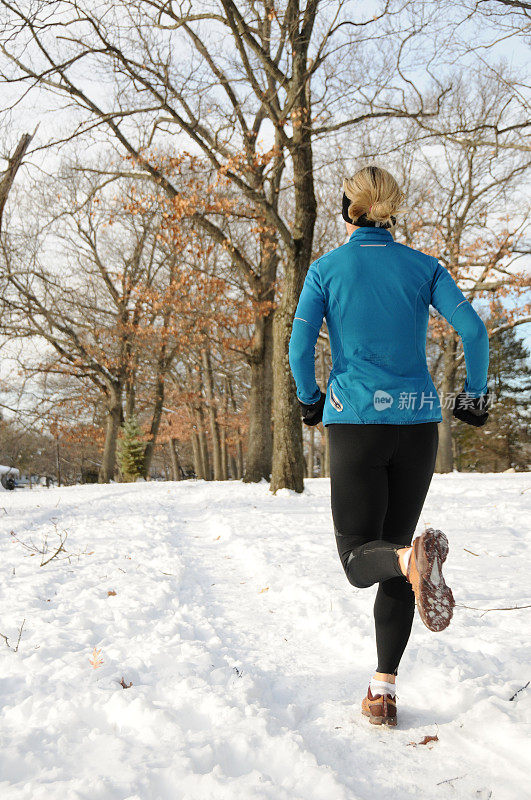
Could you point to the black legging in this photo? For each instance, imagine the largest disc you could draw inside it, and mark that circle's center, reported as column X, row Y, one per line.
column 379, row 477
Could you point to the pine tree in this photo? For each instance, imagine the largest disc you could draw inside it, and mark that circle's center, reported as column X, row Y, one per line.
column 131, row 450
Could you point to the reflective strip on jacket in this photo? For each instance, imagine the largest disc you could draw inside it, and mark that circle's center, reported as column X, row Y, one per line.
column 375, row 294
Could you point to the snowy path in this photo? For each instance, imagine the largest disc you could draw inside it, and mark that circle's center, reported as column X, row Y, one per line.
column 249, row 652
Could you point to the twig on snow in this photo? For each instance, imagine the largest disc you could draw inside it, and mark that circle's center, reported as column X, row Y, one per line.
column 506, row 608
column 43, row 549
column 519, row 690
column 5, row 638
column 449, row 780
column 60, row 549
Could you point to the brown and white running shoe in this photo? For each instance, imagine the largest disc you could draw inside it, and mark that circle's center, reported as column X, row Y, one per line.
column 435, row 601
column 381, row 709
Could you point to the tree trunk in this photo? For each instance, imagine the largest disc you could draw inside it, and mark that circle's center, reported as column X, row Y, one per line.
column 203, row 444
column 13, row 165
column 238, row 462
column 199, row 468
column 224, row 445
column 445, row 462
column 155, row 424
column 240, row 458
column 260, row 436
column 222, row 454
column 58, row 462
column 288, row 459
column 288, row 456
column 311, row 453
column 212, row 414
column 114, row 418
column 199, row 443
column 130, row 398
column 223, row 451
column 200, row 426
column 174, row 457
column 326, row 454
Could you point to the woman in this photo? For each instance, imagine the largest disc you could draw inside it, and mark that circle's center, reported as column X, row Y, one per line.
column 382, row 409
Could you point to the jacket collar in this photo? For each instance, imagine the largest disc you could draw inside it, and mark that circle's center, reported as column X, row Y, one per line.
column 382, row 235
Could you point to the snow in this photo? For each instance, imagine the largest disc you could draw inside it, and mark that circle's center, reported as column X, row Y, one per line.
column 248, row 650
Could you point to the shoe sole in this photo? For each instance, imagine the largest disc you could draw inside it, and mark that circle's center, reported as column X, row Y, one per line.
column 390, row 721
column 435, row 601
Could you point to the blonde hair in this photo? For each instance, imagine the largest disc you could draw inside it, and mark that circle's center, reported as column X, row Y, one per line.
column 373, row 191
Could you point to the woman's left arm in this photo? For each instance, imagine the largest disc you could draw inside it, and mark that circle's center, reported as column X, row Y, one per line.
column 305, row 330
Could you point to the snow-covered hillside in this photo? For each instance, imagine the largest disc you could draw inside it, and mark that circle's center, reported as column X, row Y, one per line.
column 249, row 652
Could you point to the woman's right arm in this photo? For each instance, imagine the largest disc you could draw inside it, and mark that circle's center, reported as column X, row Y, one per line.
column 450, row 301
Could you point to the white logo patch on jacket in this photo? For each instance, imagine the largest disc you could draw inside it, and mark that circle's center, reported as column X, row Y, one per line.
column 335, row 402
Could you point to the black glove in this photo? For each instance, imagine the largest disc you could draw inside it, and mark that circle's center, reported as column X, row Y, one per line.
column 472, row 410
column 313, row 414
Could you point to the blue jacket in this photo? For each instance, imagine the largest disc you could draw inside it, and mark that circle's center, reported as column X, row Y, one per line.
column 375, row 294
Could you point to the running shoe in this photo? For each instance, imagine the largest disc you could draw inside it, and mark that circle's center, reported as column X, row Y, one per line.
column 435, row 601
column 381, row 709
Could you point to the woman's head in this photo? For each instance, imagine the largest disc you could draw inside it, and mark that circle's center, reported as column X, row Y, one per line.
column 374, row 193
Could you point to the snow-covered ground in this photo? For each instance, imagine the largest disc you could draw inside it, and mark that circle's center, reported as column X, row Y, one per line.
column 248, row 650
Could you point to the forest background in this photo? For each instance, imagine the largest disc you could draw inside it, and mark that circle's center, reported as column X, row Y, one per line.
column 170, row 171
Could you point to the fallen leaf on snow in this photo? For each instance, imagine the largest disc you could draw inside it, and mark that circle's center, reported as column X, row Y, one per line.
column 425, row 740
column 96, row 659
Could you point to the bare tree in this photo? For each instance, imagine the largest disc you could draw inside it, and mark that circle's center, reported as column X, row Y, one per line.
column 100, row 308
column 276, row 83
